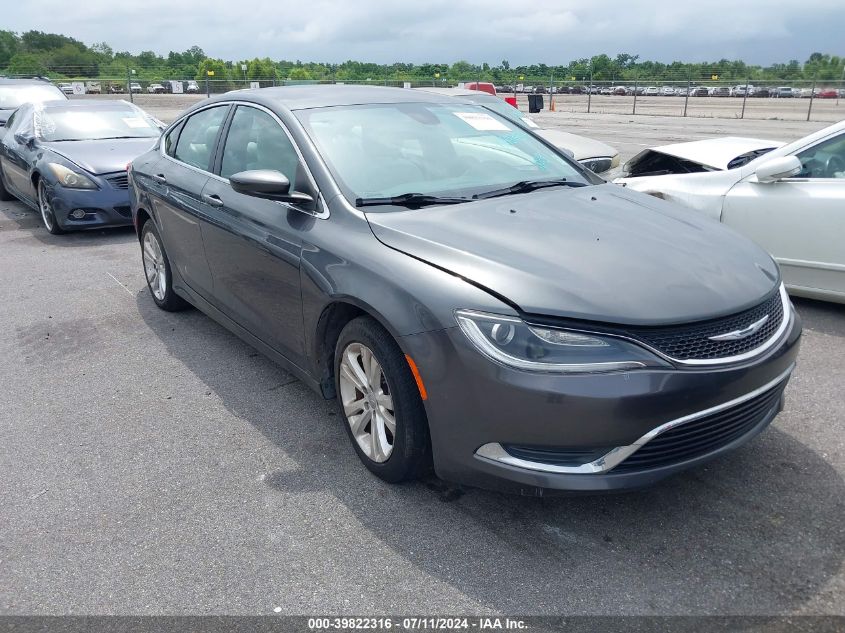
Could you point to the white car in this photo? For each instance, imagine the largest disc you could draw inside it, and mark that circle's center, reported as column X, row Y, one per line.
column 652, row 91
column 789, row 198
column 594, row 155
column 667, row 91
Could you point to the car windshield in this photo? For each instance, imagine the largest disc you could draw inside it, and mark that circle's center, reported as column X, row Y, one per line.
column 78, row 124
column 13, row 96
column 385, row 150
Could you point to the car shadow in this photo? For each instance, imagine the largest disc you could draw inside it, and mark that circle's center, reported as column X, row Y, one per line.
column 758, row 531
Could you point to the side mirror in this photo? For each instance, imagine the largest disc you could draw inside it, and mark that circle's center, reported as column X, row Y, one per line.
column 778, row 169
column 24, row 139
column 268, row 184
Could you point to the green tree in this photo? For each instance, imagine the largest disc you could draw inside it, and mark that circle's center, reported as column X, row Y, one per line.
column 27, row 64
column 9, row 45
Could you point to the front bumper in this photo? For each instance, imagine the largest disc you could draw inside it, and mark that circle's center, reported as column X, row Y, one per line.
column 103, row 207
column 474, row 402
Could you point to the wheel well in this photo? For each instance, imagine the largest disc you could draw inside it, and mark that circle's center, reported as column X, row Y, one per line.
column 35, row 178
column 332, row 321
column 140, row 219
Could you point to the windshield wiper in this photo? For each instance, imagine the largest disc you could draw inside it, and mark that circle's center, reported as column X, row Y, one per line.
column 411, row 200
column 524, row 186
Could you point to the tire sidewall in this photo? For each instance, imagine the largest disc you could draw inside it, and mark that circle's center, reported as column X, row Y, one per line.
column 41, row 190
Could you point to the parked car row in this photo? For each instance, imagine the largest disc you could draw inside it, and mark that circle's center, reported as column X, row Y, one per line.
column 116, row 87
column 477, row 301
column 681, row 91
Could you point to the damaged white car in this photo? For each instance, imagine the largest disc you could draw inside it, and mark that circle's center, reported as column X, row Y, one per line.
column 789, row 198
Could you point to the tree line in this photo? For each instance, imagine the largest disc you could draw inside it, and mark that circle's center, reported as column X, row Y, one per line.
column 62, row 57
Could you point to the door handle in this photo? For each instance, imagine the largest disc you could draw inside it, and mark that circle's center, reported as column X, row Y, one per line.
column 213, row 200
column 159, row 178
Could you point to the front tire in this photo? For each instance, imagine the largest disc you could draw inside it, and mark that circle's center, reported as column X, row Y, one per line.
column 380, row 402
column 48, row 217
column 157, row 270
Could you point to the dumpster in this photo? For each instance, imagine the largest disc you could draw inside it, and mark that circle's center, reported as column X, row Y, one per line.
column 535, row 103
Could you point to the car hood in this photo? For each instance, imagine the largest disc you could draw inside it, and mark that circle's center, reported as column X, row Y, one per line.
column 714, row 153
column 597, row 253
column 580, row 146
column 102, row 157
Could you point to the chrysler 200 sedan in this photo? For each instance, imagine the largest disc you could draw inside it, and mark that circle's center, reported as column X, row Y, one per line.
column 475, row 300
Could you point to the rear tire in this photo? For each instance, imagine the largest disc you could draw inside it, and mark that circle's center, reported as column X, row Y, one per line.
column 157, row 270
column 380, row 403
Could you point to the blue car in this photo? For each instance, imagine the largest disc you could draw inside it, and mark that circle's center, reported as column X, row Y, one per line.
column 67, row 160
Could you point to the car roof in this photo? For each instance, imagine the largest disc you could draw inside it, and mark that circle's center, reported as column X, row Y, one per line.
column 328, row 95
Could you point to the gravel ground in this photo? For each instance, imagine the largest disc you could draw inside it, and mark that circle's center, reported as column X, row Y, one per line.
column 152, row 463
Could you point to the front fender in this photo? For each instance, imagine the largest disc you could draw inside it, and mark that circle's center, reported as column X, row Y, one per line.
column 407, row 296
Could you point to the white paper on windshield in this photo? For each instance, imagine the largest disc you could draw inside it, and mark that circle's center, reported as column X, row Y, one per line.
column 134, row 121
column 482, row 122
column 530, row 122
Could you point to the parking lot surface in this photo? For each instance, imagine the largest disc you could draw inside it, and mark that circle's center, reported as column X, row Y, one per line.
column 153, row 463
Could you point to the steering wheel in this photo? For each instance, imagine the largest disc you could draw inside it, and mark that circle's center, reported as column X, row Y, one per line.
column 833, row 165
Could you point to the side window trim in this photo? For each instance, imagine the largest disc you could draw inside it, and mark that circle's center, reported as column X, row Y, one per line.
column 217, row 163
column 175, row 132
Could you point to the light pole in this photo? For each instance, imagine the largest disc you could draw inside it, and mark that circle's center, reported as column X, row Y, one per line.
column 243, row 68
column 129, row 74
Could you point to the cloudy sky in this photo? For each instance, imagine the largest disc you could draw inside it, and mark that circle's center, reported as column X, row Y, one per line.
column 521, row 31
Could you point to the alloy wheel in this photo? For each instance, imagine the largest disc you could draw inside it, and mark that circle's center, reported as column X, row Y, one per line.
column 367, row 402
column 154, row 267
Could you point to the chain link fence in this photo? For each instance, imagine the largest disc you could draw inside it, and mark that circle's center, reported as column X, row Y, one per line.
column 810, row 100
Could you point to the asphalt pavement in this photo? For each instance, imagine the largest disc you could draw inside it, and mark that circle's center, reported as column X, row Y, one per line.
column 152, row 463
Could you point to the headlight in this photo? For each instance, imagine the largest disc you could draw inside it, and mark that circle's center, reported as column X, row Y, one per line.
column 513, row 342
column 71, row 179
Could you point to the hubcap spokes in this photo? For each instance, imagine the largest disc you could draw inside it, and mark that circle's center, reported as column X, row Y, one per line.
column 154, row 266
column 367, row 402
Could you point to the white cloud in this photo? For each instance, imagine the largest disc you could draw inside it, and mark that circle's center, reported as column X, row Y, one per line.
column 550, row 31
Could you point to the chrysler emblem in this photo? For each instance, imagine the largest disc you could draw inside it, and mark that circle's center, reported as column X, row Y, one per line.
column 740, row 334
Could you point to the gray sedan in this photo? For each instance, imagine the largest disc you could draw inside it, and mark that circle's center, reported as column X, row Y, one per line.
column 477, row 302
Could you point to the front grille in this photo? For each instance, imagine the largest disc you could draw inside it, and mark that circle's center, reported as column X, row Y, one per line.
column 120, row 181
column 691, row 342
column 597, row 165
column 703, row 435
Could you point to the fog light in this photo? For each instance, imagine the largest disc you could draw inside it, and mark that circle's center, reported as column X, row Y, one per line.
column 77, row 214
